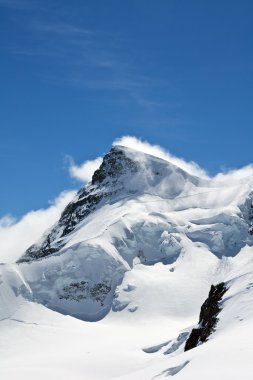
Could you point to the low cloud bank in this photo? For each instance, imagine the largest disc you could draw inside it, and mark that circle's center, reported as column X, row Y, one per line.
column 17, row 236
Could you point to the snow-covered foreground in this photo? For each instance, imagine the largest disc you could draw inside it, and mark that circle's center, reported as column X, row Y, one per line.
column 39, row 343
column 136, row 253
column 49, row 345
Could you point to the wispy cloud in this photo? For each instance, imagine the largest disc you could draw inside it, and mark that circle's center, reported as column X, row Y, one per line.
column 62, row 29
column 90, row 59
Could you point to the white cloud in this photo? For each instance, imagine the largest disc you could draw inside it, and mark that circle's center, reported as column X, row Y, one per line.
column 158, row 151
column 7, row 221
column 17, row 236
column 234, row 176
column 84, row 171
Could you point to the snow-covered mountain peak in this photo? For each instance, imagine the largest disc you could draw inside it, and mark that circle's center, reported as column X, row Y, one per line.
column 137, row 210
column 141, row 172
column 125, row 174
column 139, row 248
column 115, row 164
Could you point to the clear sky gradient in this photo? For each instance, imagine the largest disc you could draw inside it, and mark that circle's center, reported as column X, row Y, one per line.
column 77, row 74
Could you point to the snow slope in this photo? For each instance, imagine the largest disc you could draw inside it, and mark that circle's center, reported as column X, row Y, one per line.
column 135, row 252
column 37, row 342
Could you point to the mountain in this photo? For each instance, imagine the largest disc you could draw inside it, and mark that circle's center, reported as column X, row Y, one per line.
column 160, row 259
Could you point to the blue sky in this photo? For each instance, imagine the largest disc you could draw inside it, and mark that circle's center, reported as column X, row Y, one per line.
column 76, row 75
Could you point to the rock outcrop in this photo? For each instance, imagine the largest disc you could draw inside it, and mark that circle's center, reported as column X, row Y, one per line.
column 208, row 317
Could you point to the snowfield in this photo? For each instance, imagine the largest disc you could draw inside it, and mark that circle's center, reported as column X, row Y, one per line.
column 114, row 288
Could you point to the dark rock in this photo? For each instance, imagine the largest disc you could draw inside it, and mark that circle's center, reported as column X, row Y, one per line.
column 208, row 317
column 114, row 164
column 99, row 292
column 77, row 291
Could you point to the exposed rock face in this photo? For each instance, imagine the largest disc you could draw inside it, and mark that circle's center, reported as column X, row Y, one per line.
column 77, row 291
column 105, row 183
column 115, row 163
column 208, row 317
